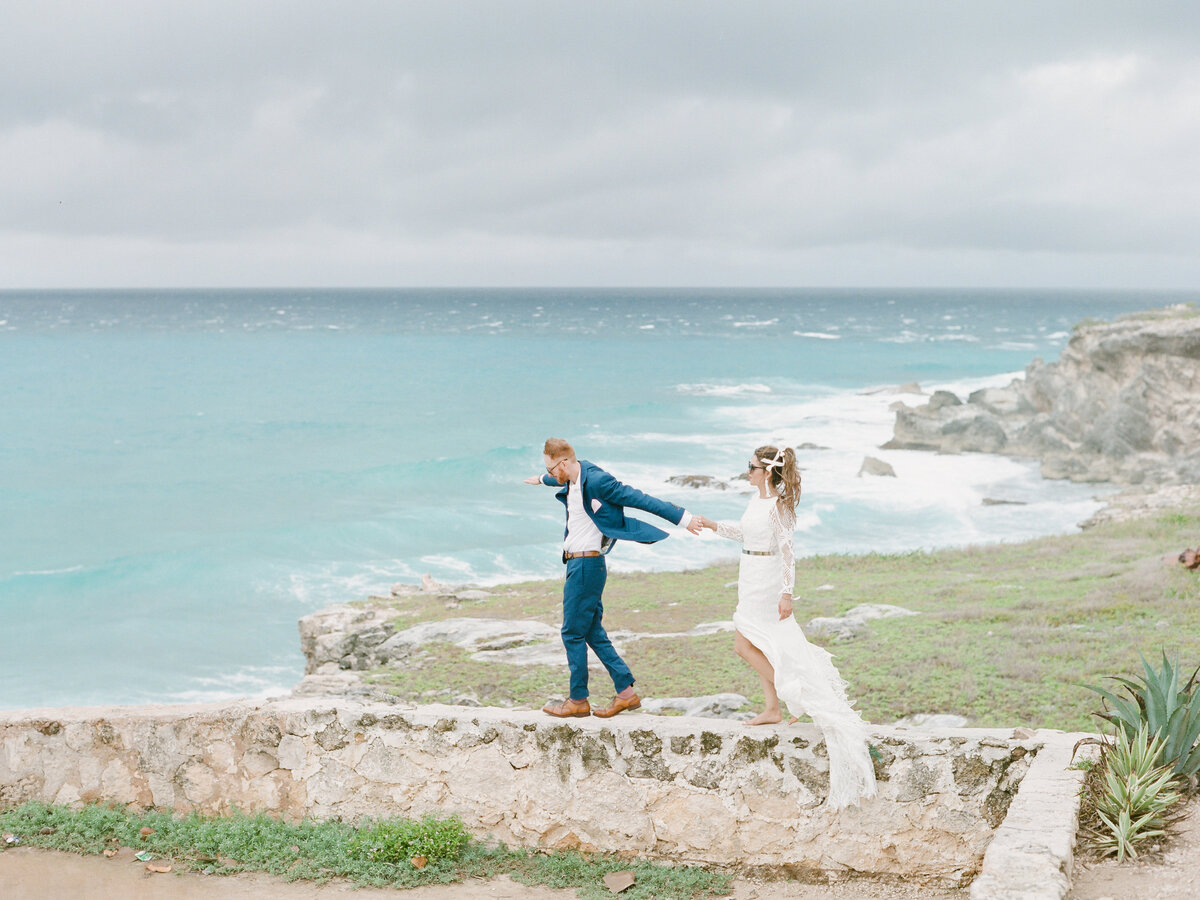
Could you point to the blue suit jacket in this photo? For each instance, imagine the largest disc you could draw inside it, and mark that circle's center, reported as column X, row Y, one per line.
column 608, row 511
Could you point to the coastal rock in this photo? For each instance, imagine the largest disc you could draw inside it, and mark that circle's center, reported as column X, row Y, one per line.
column 1119, row 405
column 467, row 633
column 942, row 399
column 707, row 482
column 854, row 621
column 342, row 641
column 872, row 466
column 1141, row 500
column 713, row 706
column 473, row 595
column 931, row 721
column 995, row 501
column 344, row 635
column 549, row 651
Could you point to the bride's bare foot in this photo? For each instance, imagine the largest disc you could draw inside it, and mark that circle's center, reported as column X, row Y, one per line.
column 766, row 717
column 793, row 720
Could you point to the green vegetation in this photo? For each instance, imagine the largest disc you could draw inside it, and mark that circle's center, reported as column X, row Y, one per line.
column 1168, row 711
column 379, row 853
column 1005, row 636
column 1129, row 796
column 402, row 840
column 1132, row 799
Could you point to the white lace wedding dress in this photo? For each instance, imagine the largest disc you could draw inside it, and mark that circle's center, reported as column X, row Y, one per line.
column 805, row 677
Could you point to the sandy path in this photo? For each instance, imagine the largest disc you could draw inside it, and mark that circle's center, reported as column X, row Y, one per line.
column 1176, row 876
column 34, row 874
column 28, row 873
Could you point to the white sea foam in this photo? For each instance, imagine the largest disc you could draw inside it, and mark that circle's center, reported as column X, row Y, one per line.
column 755, row 323
column 43, row 572
column 249, row 682
column 1016, row 345
column 820, row 335
column 968, row 338
column 723, row 390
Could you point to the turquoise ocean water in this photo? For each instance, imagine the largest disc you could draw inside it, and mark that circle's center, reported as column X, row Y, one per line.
column 183, row 474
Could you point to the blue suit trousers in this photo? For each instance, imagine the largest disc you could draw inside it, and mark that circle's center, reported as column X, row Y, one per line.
column 583, row 609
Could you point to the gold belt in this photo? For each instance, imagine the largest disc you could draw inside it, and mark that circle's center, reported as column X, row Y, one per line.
column 759, row 552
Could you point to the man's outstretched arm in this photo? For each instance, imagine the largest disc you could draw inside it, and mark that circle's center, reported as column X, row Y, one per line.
column 618, row 492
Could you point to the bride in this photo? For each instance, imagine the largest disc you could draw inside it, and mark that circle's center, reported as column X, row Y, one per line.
column 770, row 639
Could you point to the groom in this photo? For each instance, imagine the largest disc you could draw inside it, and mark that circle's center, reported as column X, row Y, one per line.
column 595, row 503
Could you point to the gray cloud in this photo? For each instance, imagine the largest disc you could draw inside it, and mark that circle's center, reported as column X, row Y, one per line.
column 657, row 143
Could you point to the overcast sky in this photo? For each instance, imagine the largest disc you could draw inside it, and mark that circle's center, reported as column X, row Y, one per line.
column 599, row 143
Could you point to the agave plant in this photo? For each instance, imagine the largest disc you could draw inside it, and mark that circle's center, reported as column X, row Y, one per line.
column 1170, row 712
column 1135, row 799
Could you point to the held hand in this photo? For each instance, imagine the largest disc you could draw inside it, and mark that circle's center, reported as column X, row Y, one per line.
column 696, row 524
column 534, row 479
column 785, row 606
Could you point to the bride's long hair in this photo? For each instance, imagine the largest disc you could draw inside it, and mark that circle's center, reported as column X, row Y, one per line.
column 783, row 474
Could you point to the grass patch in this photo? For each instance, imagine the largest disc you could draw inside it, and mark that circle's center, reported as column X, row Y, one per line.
column 442, row 671
column 377, row 853
column 1006, row 635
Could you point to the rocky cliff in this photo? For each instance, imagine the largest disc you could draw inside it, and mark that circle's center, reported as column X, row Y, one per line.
column 1122, row 404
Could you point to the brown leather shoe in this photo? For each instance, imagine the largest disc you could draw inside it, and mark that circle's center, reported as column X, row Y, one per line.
column 618, row 705
column 571, row 708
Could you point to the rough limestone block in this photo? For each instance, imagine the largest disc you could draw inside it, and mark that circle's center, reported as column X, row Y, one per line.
column 681, row 790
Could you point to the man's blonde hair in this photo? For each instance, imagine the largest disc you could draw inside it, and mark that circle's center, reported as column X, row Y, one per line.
column 557, row 448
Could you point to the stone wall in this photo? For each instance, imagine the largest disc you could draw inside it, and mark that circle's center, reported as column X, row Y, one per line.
column 690, row 790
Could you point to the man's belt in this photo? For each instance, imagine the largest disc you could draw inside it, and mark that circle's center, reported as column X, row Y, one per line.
column 759, row 552
column 580, row 554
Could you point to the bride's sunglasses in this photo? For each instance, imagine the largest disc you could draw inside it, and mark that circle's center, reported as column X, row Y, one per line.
column 750, row 466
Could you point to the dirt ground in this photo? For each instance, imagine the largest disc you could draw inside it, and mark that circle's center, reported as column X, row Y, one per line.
column 1174, row 876
column 28, row 873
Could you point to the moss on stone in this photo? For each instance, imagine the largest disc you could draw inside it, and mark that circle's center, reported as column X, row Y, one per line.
column 683, row 745
column 995, row 807
column 750, row 750
column 649, row 767
column 647, row 743
column 594, row 754
column 332, row 737
column 813, row 778
column 971, row 773
column 920, row 781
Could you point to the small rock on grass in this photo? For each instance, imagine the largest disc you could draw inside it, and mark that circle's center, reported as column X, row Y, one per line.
column 925, row 721
column 618, row 881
